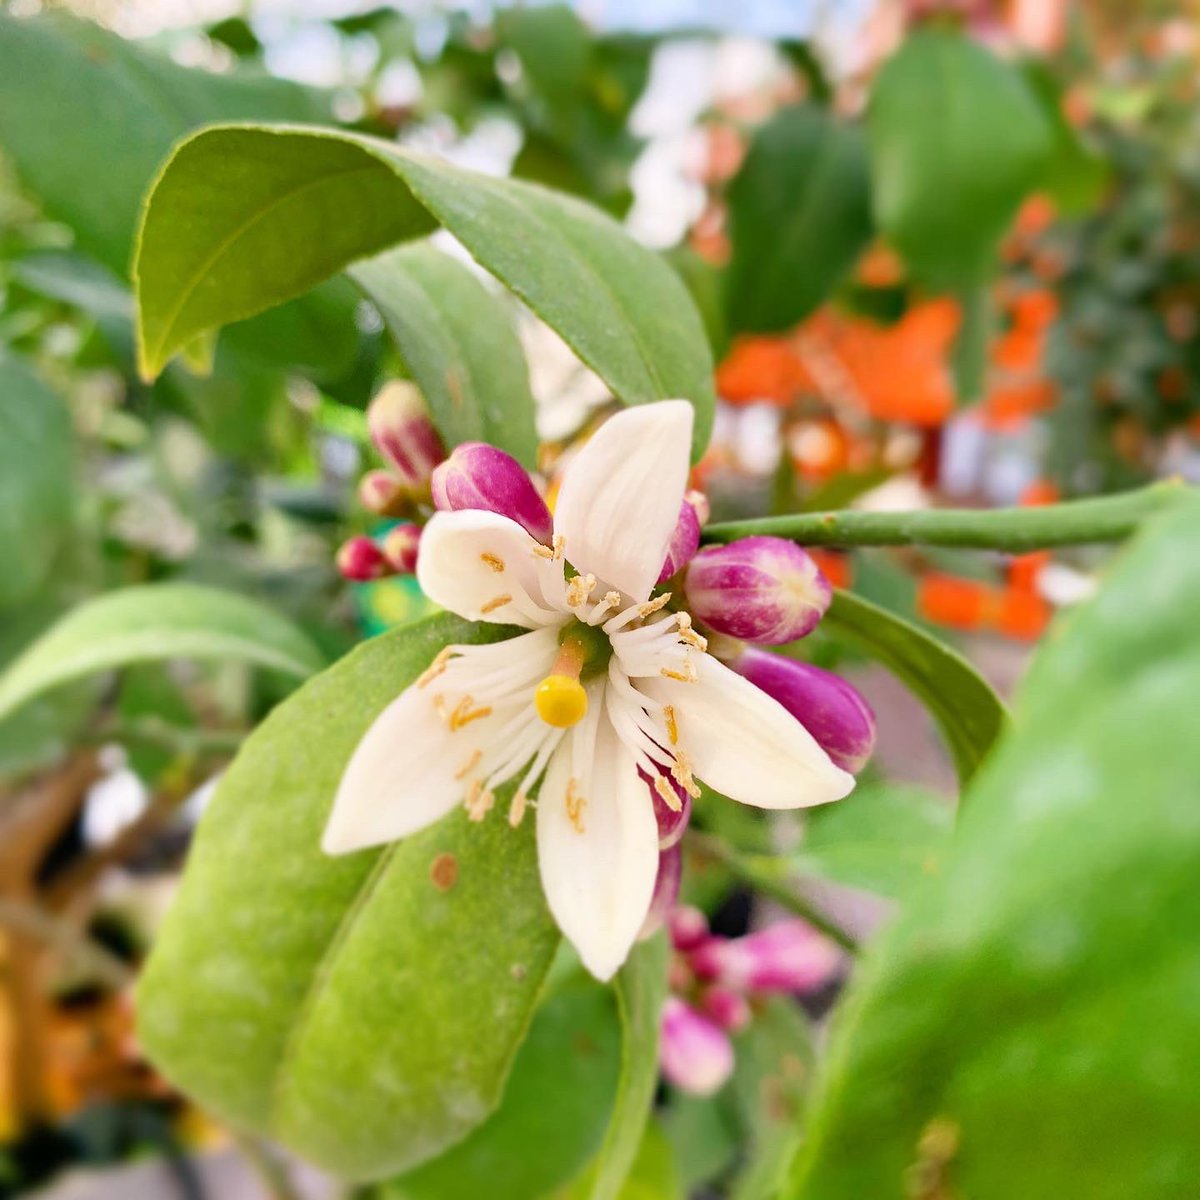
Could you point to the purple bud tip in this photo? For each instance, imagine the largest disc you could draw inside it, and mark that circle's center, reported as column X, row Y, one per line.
column 688, row 927
column 685, row 541
column 381, row 492
column 400, row 546
column 666, row 890
column 730, row 1009
column 831, row 709
column 760, row 589
column 480, row 476
column 672, row 817
column 360, row 559
column 402, row 431
column 695, row 1054
column 700, row 506
column 790, row 956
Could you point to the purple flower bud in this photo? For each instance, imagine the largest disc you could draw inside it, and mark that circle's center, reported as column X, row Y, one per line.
column 695, row 1054
column 790, row 956
column 825, row 704
column 666, row 890
column 688, row 927
column 402, row 431
column 381, row 492
column 672, row 819
column 477, row 475
column 700, row 506
column 685, row 541
column 360, row 559
column 400, row 545
column 730, row 1009
column 761, row 589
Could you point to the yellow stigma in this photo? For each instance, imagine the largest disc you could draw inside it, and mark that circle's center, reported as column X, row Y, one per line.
column 560, row 701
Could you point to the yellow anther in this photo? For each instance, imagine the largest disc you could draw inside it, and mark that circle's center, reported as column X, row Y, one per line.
column 494, row 561
column 560, row 701
column 495, row 602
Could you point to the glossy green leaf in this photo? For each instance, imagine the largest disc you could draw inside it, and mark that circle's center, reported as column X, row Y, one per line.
column 242, row 218
column 799, row 215
column 1028, row 1028
column 553, row 1113
column 641, row 987
column 90, row 137
column 967, row 710
column 883, row 838
column 154, row 622
column 957, row 139
column 458, row 343
column 36, row 485
column 363, row 1010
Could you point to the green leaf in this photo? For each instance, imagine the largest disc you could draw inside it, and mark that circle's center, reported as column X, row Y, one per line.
column 969, row 714
column 240, row 220
column 774, row 1062
column 799, row 216
column 154, row 622
column 553, row 1112
column 1028, row 1027
column 884, row 838
column 363, row 1010
column 36, row 488
column 641, row 987
column 90, row 135
column 957, row 140
column 459, row 345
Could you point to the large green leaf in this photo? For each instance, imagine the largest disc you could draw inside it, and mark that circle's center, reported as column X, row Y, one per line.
column 553, row 1112
column 884, row 838
column 243, row 218
column 957, row 139
column 363, row 1010
column 36, row 485
column 966, row 709
column 641, row 988
column 799, row 215
column 153, row 622
column 1029, row 1028
column 458, row 343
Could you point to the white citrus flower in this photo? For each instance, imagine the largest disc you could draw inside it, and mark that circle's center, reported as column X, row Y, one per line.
column 605, row 682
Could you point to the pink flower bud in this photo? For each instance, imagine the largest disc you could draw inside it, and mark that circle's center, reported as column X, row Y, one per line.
column 360, row 559
column 666, row 890
column 381, row 492
column 695, row 1054
column 761, row 589
column 672, row 821
column 400, row 545
column 825, row 704
column 685, row 541
column 688, row 927
column 700, row 506
column 790, row 956
column 401, row 429
column 729, row 1009
column 477, row 475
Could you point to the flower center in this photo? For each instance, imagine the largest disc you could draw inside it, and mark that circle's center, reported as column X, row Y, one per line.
column 560, row 699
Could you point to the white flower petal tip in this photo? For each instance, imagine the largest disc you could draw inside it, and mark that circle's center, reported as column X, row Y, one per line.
column 485, row 567
column 745, row 744
column 630, row 476
column 597, row 851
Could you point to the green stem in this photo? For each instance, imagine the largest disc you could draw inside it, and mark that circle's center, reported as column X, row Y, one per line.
column 1105, row 519
column 769, row 876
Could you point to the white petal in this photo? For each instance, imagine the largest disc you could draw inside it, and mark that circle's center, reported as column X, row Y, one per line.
column 599, row 875
column 744, row 744
column 619, row 501
column 470, row 559
column 402, row 775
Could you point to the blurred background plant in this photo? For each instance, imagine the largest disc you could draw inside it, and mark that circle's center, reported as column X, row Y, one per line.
column 1004, row 317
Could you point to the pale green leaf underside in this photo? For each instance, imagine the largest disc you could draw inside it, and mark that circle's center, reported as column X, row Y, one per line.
column 244, row 217
column 349, row 1007
column 156, row 622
